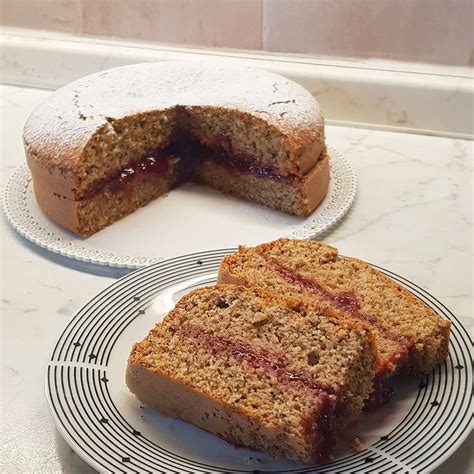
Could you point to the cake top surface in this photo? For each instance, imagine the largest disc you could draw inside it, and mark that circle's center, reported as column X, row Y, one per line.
column 71, row 114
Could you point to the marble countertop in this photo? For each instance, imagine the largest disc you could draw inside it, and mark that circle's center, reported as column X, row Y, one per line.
column 413, row 215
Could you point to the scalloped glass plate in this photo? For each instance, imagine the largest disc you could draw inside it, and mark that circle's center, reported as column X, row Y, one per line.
column 189, row 219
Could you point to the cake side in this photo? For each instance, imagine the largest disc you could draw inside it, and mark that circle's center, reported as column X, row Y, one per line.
column 108, row 204
column 261, row 372
column 139, row 185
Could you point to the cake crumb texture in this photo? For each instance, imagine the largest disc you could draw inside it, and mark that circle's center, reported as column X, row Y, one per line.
column 409, row 334
column 262, row 372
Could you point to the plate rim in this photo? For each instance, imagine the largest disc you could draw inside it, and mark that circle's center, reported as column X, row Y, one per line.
column 211, row 254
column 17, row 213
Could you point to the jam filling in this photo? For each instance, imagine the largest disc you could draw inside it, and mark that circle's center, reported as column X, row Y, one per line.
column 228, row 157
column 346, row 302
column 191, row 153
column 383, row 391
column 225, row 155
column 243, row 163
column 243, row 352
column 322, row 428
column 154, row 163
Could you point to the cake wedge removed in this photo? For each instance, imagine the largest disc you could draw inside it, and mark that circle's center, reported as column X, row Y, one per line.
column 269, row 374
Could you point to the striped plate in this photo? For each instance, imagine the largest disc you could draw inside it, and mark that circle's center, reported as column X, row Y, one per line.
column 426, row 421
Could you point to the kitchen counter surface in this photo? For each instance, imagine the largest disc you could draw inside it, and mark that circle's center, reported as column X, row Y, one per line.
column 413, row 215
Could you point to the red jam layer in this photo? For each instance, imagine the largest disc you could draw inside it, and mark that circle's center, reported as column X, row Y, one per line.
column 191, row 152
column 346, row 302
column 243, row 163
column 241, row 352
column 154, row 163
column 228, row 157
column 383, row 392
column 323, row 429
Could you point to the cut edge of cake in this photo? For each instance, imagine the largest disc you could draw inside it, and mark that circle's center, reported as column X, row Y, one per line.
column 416, row 354
column 179, row 396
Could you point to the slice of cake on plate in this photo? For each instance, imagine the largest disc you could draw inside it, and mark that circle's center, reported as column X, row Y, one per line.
column 262, row 372
column 409, row 334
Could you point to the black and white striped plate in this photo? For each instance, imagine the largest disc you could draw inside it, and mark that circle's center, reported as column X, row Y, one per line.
column 426, row 421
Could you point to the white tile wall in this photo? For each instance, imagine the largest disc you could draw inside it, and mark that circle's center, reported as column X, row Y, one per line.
column 228, row 23
column 437, row 31
column 57, row 15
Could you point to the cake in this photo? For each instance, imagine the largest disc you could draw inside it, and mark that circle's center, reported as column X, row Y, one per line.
column 107, row 144
column 270, row 374
column 410, row 336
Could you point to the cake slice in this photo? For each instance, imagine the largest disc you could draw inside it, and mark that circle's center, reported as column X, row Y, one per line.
column 409, row 334
column 269, row 374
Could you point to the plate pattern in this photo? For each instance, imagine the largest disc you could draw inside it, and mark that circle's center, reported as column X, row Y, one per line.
column 19, row 214
column 77, row 386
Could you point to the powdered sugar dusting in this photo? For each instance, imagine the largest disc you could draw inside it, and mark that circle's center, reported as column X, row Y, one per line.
column 71, row 115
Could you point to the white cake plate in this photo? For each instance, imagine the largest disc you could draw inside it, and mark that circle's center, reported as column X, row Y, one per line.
column 189, row 219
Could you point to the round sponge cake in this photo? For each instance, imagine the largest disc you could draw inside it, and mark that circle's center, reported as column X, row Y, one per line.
column 108, row 143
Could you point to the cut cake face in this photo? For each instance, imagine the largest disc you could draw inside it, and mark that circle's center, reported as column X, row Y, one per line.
column 261, row 372
column 409, row 335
